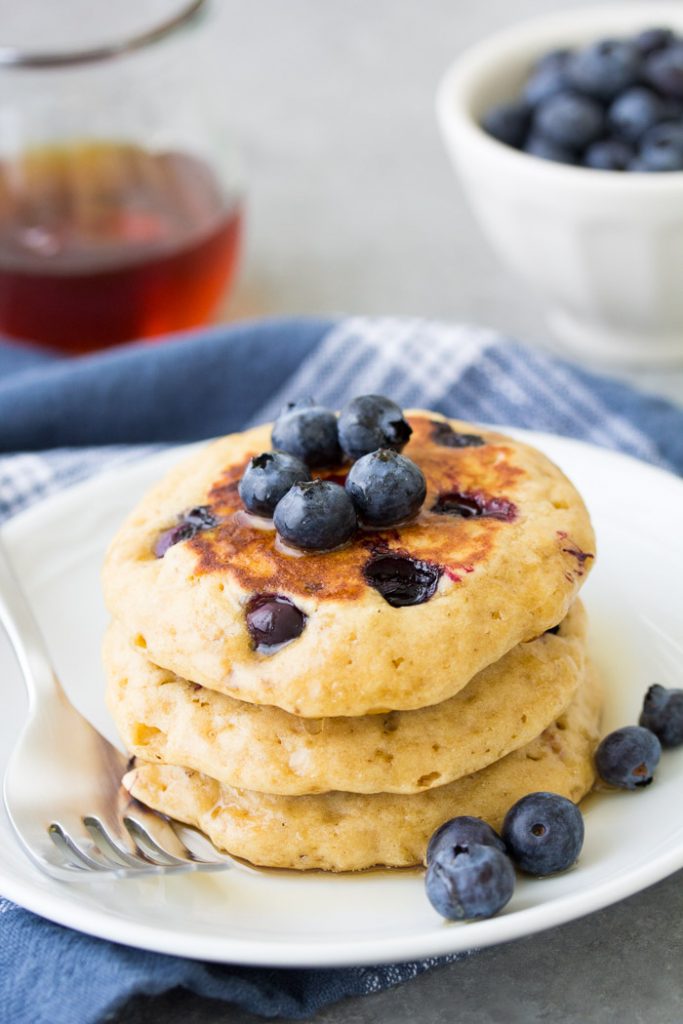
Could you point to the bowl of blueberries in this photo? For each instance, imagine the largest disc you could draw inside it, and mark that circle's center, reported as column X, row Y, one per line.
column 567, row 134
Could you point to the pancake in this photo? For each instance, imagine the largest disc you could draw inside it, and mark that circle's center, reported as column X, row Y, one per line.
column 166, row 719
column 351, row 831
column 496, row 556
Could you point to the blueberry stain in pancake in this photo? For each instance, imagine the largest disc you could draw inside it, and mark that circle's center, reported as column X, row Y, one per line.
column 252, row 557
column 273, row 620
column 402, row 580
column 443, row 434
column 473, row 505
column 189, row 524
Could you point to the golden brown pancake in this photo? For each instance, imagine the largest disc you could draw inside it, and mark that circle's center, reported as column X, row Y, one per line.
column 351, row 831
column 168, row 720
column 496, row 556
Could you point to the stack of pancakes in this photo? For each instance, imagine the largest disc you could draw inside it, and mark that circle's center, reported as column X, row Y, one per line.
column 441, row 669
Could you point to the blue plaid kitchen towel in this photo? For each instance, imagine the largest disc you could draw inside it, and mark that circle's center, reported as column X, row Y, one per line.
column 63, row 420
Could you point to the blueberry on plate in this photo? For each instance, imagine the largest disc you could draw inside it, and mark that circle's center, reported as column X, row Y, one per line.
column 628, row 757
column 662, row 714
column 370, row 422
column 543, row 833
column 609, row 155
column 308, row 431
column 634, row 112
column 267, row 478
column 464, row 883
column 661, row 148
column 546, row 149
column 386, row 488
column 463, row 831
column 664, row 70
column 604, row 69
column 315, row 515
column 273, row 620
column 508, row 123
column 569, row 120
column 652, row 39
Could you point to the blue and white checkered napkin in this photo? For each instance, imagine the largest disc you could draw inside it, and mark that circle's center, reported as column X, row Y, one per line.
column 104, row 410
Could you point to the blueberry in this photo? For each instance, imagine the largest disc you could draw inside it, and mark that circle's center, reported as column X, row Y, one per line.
column 627, row 757
column 634, row 112
column 386, row 488
column 267, row 478
column 552, row 59
column 371, row 422
column 664, row 70
column 190, row 523
column 543, row 833
column 401, row 580
column 569, row 120
column 536, row 145
column 661, row 148
column 309, row 432
column 443, row 434
column 315, row 515
column 608, row 155
column 273, row 620
column 508, row 123
column 604, row 69
column 464, row 883
column 652, row 39
column 662, row 714
column 463, row 831
column 545, row 81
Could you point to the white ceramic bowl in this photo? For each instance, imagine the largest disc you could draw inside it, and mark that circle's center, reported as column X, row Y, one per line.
column 604, row 248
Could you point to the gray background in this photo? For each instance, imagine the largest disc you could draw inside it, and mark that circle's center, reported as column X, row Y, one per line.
column 353, row 208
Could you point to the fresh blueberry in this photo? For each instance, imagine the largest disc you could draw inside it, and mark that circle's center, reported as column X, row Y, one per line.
column 546, row 80
column 370, row 422
column 315, row 515
column 443, row 434
column 604, row 69
column 190, row 523
column 386, row 488
column 634, row 112
column 628, row 757
column 662, row 714
column 309, row 432
column 543, row 833
column 570, row 120
column 273, row 620
column 463, row 831
column 661, row 148
column 538, row 146
column 652, row 39
column 267, row 478
column 609, row 155
column 508, row 123
column 401, row 580
column 464, row 883
column 664, row 70
column 552, row 59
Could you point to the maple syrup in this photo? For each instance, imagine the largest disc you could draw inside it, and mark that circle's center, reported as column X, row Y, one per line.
column 103, row 242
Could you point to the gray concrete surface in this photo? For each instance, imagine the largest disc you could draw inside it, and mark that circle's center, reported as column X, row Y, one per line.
column 353, row 208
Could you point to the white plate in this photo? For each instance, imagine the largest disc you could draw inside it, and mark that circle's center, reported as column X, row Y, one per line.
column 635, row 598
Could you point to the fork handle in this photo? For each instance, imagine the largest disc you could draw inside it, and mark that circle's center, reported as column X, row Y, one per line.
column 24, row 633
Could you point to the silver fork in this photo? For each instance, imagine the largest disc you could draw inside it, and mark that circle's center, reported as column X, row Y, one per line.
column 62, row 786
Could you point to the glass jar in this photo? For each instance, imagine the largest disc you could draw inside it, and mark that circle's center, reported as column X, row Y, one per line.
column 120, row 197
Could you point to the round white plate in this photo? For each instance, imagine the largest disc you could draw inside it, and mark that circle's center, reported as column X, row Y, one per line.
column 635, row 599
